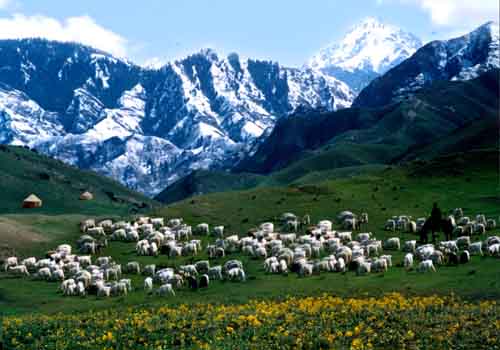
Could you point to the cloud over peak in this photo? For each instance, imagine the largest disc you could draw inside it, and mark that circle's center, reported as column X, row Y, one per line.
column 82, row 29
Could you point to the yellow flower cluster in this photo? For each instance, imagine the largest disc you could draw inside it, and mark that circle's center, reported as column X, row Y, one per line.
column 325, row 322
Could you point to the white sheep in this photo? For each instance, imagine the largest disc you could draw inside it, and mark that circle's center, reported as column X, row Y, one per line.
column 476, row 248
column 133, row 267
column 218, row 231
column 379, row 265
column 408, row 261
column 203, row 229
column 363, row 268
column 11, row 261
column 19, row 270
column 426, row 266
column 236, row 274
column 215, row 272
column 410, row 246
column 392, row 244
column 148, row 284
column 463, row 242
column 494, row 250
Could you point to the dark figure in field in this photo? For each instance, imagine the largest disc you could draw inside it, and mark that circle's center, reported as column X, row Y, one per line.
column 424, row 231
column 436, row 217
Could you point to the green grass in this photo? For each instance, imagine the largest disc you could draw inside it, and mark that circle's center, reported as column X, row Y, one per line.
column 59, row 186
column 381, row 192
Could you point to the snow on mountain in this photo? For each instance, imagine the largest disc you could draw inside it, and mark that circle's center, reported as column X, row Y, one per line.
column 149, row 127
column 370, row 49
column 462, row 58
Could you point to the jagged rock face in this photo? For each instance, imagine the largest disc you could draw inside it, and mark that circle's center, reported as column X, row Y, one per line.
column 463, row 58
column 149, row 127
column 369, row 50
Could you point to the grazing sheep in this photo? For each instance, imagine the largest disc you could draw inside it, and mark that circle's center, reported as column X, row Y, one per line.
column 166, row 290
column 325, row 226
column 11, row 261
column 491, row 224
column 148, row 285
column 220, row 252
column 133, row 267
column 449, row 246
column 215, row 272
column 465, row 220
column 379, row 265
column 345, row 237
column 388, row 258
column 267, row 227
column 494, row 250
column 392, row 244
column 479, row 229
column 412, row 227
column 149, row 270
column 363, row 268
column 364, row 236
column 463, row 242
column 458, row 213
column 408, row 261
column 19, row 270
column 202, row 229
column 340, row 265
column 424, row 251
column 80, row 289
column 103, row 290
column 219, row 231
column 236, row 274
column 44, row 274
column 437, row 257
column 390, row 225
column 410, row 246
column 204, row 281
column 464, row 257
column 202, row 266
column 476, row 248
column 426, row 266
column 306, row 270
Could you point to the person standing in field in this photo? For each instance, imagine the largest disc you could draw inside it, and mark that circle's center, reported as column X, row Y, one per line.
column 436, row 217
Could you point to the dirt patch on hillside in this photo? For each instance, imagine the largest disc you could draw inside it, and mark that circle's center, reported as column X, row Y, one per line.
column 14, row 235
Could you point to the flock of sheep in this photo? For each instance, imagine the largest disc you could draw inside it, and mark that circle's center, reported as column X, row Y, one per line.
column 320, row 249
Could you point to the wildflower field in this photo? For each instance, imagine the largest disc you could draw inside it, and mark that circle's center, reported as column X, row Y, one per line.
column 325, row 322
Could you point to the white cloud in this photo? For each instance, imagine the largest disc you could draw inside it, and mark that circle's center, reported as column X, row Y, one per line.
column 454, row 13
column 4, row 4
column 460, row 12
column 82, row 29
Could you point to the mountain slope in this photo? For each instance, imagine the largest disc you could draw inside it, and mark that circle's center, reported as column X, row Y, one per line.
column 25, row 171
column 418, row 120
column 370, row 49
column 447, row 117
column 462, row 58
column 148, row 127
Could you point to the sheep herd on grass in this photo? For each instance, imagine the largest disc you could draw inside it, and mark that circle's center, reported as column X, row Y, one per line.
column 319, row 249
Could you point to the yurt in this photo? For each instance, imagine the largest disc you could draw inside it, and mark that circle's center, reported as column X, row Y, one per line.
column 32, row 201
column 86, row 196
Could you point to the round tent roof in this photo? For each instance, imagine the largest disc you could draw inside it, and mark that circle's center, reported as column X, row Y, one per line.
column 33, row 199
column 86, row 196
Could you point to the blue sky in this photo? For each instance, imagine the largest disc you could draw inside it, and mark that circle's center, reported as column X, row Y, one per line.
column 289, row 31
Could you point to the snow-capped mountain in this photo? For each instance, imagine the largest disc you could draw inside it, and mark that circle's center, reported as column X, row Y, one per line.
column 462, row 58
column 148, row 127
column 370, row 49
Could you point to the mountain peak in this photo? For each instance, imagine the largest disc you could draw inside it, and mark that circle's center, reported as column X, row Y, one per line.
column 370, row 45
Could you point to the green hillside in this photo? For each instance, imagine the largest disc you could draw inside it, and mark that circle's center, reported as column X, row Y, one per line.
column 24, row 171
